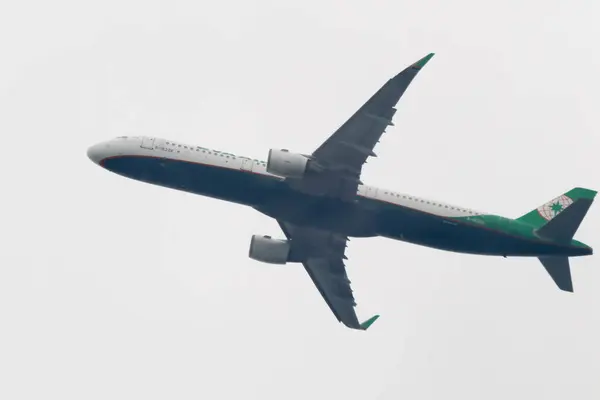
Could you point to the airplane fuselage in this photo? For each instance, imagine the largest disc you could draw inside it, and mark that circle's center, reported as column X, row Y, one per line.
column 374, row 212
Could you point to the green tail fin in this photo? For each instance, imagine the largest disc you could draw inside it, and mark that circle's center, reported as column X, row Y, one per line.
column 547, row 211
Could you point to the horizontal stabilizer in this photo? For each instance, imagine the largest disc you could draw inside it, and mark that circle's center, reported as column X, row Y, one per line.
column 559, row 270
column 563, row 226
column 365, row 325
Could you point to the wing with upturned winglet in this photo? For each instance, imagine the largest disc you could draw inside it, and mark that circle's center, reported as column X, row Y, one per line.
column 326, row 268
column 349, row 147
column 341, row 157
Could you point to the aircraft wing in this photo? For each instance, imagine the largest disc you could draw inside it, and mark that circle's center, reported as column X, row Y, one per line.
column 327, row 270
column 355, row 140
column 343, row 154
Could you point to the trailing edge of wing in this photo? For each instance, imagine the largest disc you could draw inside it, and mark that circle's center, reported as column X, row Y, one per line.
column 328, row 274
column 365, row 325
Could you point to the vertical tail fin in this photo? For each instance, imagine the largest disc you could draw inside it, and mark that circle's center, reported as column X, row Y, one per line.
column 558, row 220
column 548, row 211
column 562, row 227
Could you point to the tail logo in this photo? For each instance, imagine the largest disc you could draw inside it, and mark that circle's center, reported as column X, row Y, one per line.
column 553, row 207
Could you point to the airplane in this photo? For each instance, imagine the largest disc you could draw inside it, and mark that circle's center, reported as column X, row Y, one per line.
column 320, row 202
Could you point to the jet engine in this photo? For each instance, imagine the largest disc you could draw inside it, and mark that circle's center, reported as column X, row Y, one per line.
column 269, row 250
column 286, row 164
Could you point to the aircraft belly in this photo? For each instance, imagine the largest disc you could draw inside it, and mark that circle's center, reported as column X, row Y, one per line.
column 324, row 213
column 446, row 234
column 363, row 218
column 435, row 232
column 207, row 180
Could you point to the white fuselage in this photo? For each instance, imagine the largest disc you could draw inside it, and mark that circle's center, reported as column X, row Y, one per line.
column 169, row 149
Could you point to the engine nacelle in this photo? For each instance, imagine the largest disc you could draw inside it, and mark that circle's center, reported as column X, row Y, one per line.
column 286, row 164
column 269, row 250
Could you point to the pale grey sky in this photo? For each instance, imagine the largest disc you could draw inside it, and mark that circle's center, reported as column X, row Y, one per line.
column 111, row 288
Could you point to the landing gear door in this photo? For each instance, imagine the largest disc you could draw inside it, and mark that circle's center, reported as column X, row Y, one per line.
column 147, row 143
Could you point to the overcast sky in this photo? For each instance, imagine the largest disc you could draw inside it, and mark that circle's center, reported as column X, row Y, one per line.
column 112, row 288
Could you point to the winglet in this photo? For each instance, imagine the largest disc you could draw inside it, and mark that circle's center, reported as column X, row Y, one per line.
column 421, row 63
column 365, row 325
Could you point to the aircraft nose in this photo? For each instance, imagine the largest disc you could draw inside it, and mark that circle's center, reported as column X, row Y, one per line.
column 98, row 152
